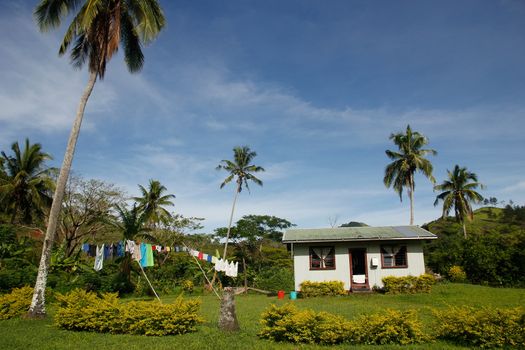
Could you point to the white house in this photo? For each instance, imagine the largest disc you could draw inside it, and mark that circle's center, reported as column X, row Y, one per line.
column 358, row 256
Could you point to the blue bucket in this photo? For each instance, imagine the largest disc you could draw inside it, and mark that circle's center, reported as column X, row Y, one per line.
column 293, row 295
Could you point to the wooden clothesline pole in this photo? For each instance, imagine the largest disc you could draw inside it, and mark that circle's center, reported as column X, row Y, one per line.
column 147, row 279
column 203, row 272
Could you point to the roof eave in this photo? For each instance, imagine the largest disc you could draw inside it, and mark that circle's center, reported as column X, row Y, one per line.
column 372, row 239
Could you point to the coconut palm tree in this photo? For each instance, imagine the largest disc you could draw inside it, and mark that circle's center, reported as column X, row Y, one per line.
column 132, row 224
column 409, row 158
column 97, row 29
column 26, row 183
column 241, row 170
column 152, row 201
column 459, row 192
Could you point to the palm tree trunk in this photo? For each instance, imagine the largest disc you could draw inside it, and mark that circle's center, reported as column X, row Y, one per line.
column 464, row 231
column 37, row 308
column 237, row 190
column 411, row 195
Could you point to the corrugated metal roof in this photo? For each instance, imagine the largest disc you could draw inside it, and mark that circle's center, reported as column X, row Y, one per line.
column 356, row 234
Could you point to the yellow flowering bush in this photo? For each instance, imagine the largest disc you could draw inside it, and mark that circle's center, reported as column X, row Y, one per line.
column 15, row 303
column 315, row 289
column 85, row 311
column 408, row 284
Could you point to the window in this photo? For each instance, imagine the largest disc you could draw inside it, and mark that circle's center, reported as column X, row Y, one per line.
column 394, row 256
column 322, row 258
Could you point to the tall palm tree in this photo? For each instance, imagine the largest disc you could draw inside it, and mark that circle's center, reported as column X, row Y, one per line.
column 26, row 183
column 152, row 201
column 241, row 170
column 96, row 30
column 459, row 192
column 409, row 158
column 132, row 224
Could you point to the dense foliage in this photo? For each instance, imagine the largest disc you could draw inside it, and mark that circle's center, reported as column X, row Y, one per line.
column 15, row 303
column 289, row 324
column 408, row 284
column 85, row 311
column 484, row 328
column 493, row 253
column 315, row 289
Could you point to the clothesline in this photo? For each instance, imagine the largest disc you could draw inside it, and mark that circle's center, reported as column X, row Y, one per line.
column 143, row 254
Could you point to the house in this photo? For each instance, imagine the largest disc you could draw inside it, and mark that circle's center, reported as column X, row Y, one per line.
column 358, row 256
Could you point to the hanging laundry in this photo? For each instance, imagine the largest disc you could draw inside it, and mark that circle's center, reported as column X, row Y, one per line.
column 234, row 270
column 130, row 247
column 92, row 250
column 143, row 258
column 85, row 247
column 149, row 256
column 120, row 249
column 107, row 253
column 200, row 256
column 214, row 260
column 209, row 258
column 99, row 258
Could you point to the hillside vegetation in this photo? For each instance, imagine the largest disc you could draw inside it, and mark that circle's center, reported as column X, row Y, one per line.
column 493, row 252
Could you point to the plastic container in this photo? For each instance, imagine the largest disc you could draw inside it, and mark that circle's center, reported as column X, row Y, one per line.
column 293, row 295
column 280, row 294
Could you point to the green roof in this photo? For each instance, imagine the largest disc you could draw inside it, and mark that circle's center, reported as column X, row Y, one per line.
column 356, row 234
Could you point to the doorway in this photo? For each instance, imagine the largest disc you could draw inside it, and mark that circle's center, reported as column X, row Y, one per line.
column 358, row 269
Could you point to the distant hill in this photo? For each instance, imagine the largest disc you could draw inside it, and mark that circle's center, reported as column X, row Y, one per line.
column 486, row 220
column 354, row 224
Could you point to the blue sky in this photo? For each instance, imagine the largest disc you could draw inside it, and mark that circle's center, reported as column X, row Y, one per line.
column 314, row 87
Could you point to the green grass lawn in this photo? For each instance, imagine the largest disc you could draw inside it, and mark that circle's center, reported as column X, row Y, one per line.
column 30, row 334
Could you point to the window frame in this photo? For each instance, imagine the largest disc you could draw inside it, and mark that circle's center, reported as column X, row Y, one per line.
column 383, row 266
column 311, row 252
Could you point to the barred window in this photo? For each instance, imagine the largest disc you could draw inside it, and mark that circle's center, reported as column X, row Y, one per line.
column 394, row 256
column 322, row 258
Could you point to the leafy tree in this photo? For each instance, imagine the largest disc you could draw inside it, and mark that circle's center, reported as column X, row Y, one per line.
column 26, row 184
column 458, row 193
column 86, row 211
column 152, row 202
column 97, row 29
column 242, row 171
column 409, row 159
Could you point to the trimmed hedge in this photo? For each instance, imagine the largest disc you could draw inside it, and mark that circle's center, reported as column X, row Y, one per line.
column 85, row 311
column 315, row 289
column 484, row 328
column 15, row 303
column 408, row 284
column 287, row 323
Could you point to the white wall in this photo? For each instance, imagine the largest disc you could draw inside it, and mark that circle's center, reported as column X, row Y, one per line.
column 302, row 272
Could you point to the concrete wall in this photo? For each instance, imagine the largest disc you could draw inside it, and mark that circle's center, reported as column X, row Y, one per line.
column 302, row 272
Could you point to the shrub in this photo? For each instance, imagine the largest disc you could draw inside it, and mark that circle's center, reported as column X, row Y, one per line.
column 408, row 284
column 314, row 289
column 390, row 327
column 17, row 277
column 287, row 323
column 484, row 328
column 456, row 274
column 274, row 279
column 85, row 311
column 15, row 303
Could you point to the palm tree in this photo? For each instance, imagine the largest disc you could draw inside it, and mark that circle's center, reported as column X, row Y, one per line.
column 26, row 184
column 132, row 225
column 410, row 158
column 152, row 201
column 241, row 169
column 97, row 29
column 459, row 192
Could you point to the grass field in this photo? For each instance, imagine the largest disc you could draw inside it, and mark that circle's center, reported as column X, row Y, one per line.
column 29, row 334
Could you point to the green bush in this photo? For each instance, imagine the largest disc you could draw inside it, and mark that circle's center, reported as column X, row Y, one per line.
column 17, row 277
column 408, row 284
column 274, row 279
column 85, row 311
column 314, row 289
column 287, row 323
column 389, row 327
column 484, row 328
column 15, row 303
column 456, row 274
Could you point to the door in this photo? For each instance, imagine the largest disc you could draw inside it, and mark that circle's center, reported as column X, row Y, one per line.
column 358, row 269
